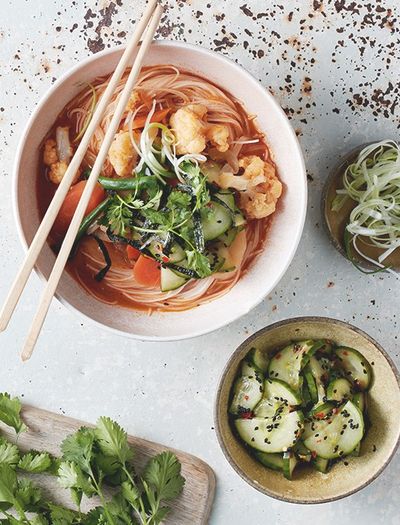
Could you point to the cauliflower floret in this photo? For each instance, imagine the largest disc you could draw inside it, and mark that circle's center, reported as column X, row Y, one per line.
column 50, row 152
column 189, row 129
column 133, row 101
column 57, row 168
column 264, row 189
column 218, row 135
column 122, row 154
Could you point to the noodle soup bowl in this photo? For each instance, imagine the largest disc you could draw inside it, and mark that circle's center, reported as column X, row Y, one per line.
column 284, row 231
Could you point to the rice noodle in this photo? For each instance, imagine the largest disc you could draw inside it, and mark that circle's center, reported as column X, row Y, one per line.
column 167, row 87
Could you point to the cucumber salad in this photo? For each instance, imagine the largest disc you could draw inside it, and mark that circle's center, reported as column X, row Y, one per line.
column 306, row 403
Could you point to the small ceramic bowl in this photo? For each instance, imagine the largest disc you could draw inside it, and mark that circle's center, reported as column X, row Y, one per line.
column 378, row 446
column 284, row 232
column 335, row 222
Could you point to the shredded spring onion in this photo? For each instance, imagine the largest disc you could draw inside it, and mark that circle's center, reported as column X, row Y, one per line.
column 373, row 182
column 89, row 114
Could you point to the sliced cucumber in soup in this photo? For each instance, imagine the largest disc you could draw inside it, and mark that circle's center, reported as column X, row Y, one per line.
column 238, row 219
column 176, row 254
column 260, row 358
column 321, row 464
column 272, row 461
column 289, row 464
column 228, row 237
column 266, row 408
column 277, row 390
column 355, row 366
column 227, row 198
column 336, row 436
column 247, row 393
column 269, row 435
column 171, row 280
column 287, row 363
column 339, row 389
column 215, row 219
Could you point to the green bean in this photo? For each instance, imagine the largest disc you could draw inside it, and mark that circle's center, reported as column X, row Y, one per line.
column 90, row 218
column 134, row 183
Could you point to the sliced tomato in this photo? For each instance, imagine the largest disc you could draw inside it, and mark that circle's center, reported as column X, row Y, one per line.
column 132, row 253
column 158, row 116
column 147, row 272
column 70, row 204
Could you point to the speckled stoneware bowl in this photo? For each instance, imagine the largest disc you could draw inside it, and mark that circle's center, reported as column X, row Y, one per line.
column 378, row 446
column 284, row 233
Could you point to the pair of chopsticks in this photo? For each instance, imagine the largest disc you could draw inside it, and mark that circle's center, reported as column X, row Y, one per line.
column 145, row 31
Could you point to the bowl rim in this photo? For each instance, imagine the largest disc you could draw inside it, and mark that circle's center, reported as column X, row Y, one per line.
column 285, row 122
column 245, row 344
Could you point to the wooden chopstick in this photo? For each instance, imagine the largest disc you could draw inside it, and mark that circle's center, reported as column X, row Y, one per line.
column 92, row 180
column 48, row 220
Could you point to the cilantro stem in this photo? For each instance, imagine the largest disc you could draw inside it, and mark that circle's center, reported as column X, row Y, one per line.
column 101, row 496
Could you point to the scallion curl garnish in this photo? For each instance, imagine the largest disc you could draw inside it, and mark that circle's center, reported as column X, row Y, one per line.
column 373, row 182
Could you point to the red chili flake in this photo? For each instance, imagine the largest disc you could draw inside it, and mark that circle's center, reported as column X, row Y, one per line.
column 165, row 258
column 246, row 398
column 320, row 415
column 247, row 415
column 278, row 356
column 313, row 454
column 345, row 352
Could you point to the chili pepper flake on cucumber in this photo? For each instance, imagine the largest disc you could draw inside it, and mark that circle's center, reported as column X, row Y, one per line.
column 303, row 404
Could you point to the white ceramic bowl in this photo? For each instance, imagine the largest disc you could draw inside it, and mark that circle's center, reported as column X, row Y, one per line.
column 284, row 233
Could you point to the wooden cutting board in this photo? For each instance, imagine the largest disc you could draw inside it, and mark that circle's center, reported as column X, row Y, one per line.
column 47, row 430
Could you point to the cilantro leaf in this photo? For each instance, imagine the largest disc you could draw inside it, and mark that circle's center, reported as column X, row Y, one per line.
column 78, row 447
column 10, row 409
column 61, row 516
column 70, row 476
column 8, row 484
column 34, row 461
column 113, row 440
column 199, row 263
column 9, row 453
column 163, row 475
column 39, row 519
column 27, row 494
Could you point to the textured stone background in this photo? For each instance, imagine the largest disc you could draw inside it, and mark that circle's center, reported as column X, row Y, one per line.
column 330, row 64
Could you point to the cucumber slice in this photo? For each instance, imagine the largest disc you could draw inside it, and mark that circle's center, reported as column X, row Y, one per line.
column 318, row 373
column 215, row 219
column 339, row 389
column 228, row 237
column 356, row 451
column 176, row 254
column 302, row 451
column 171, row 280
column 359, row 400
column 227, row 198
column 311, row 386
column 260, row 358
column 272, row 461
column 355, row 366
column 270, row 434
column 247, row 393
column 322, row 411
column 321, row 464
column 336, row 436
column 238, row 219
column 287, row 363
column 268, row 408
column 289, row 463
column 249, row 369
column 276, row 390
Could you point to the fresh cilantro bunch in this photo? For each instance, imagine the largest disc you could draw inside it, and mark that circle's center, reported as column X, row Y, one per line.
column 95, row 462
